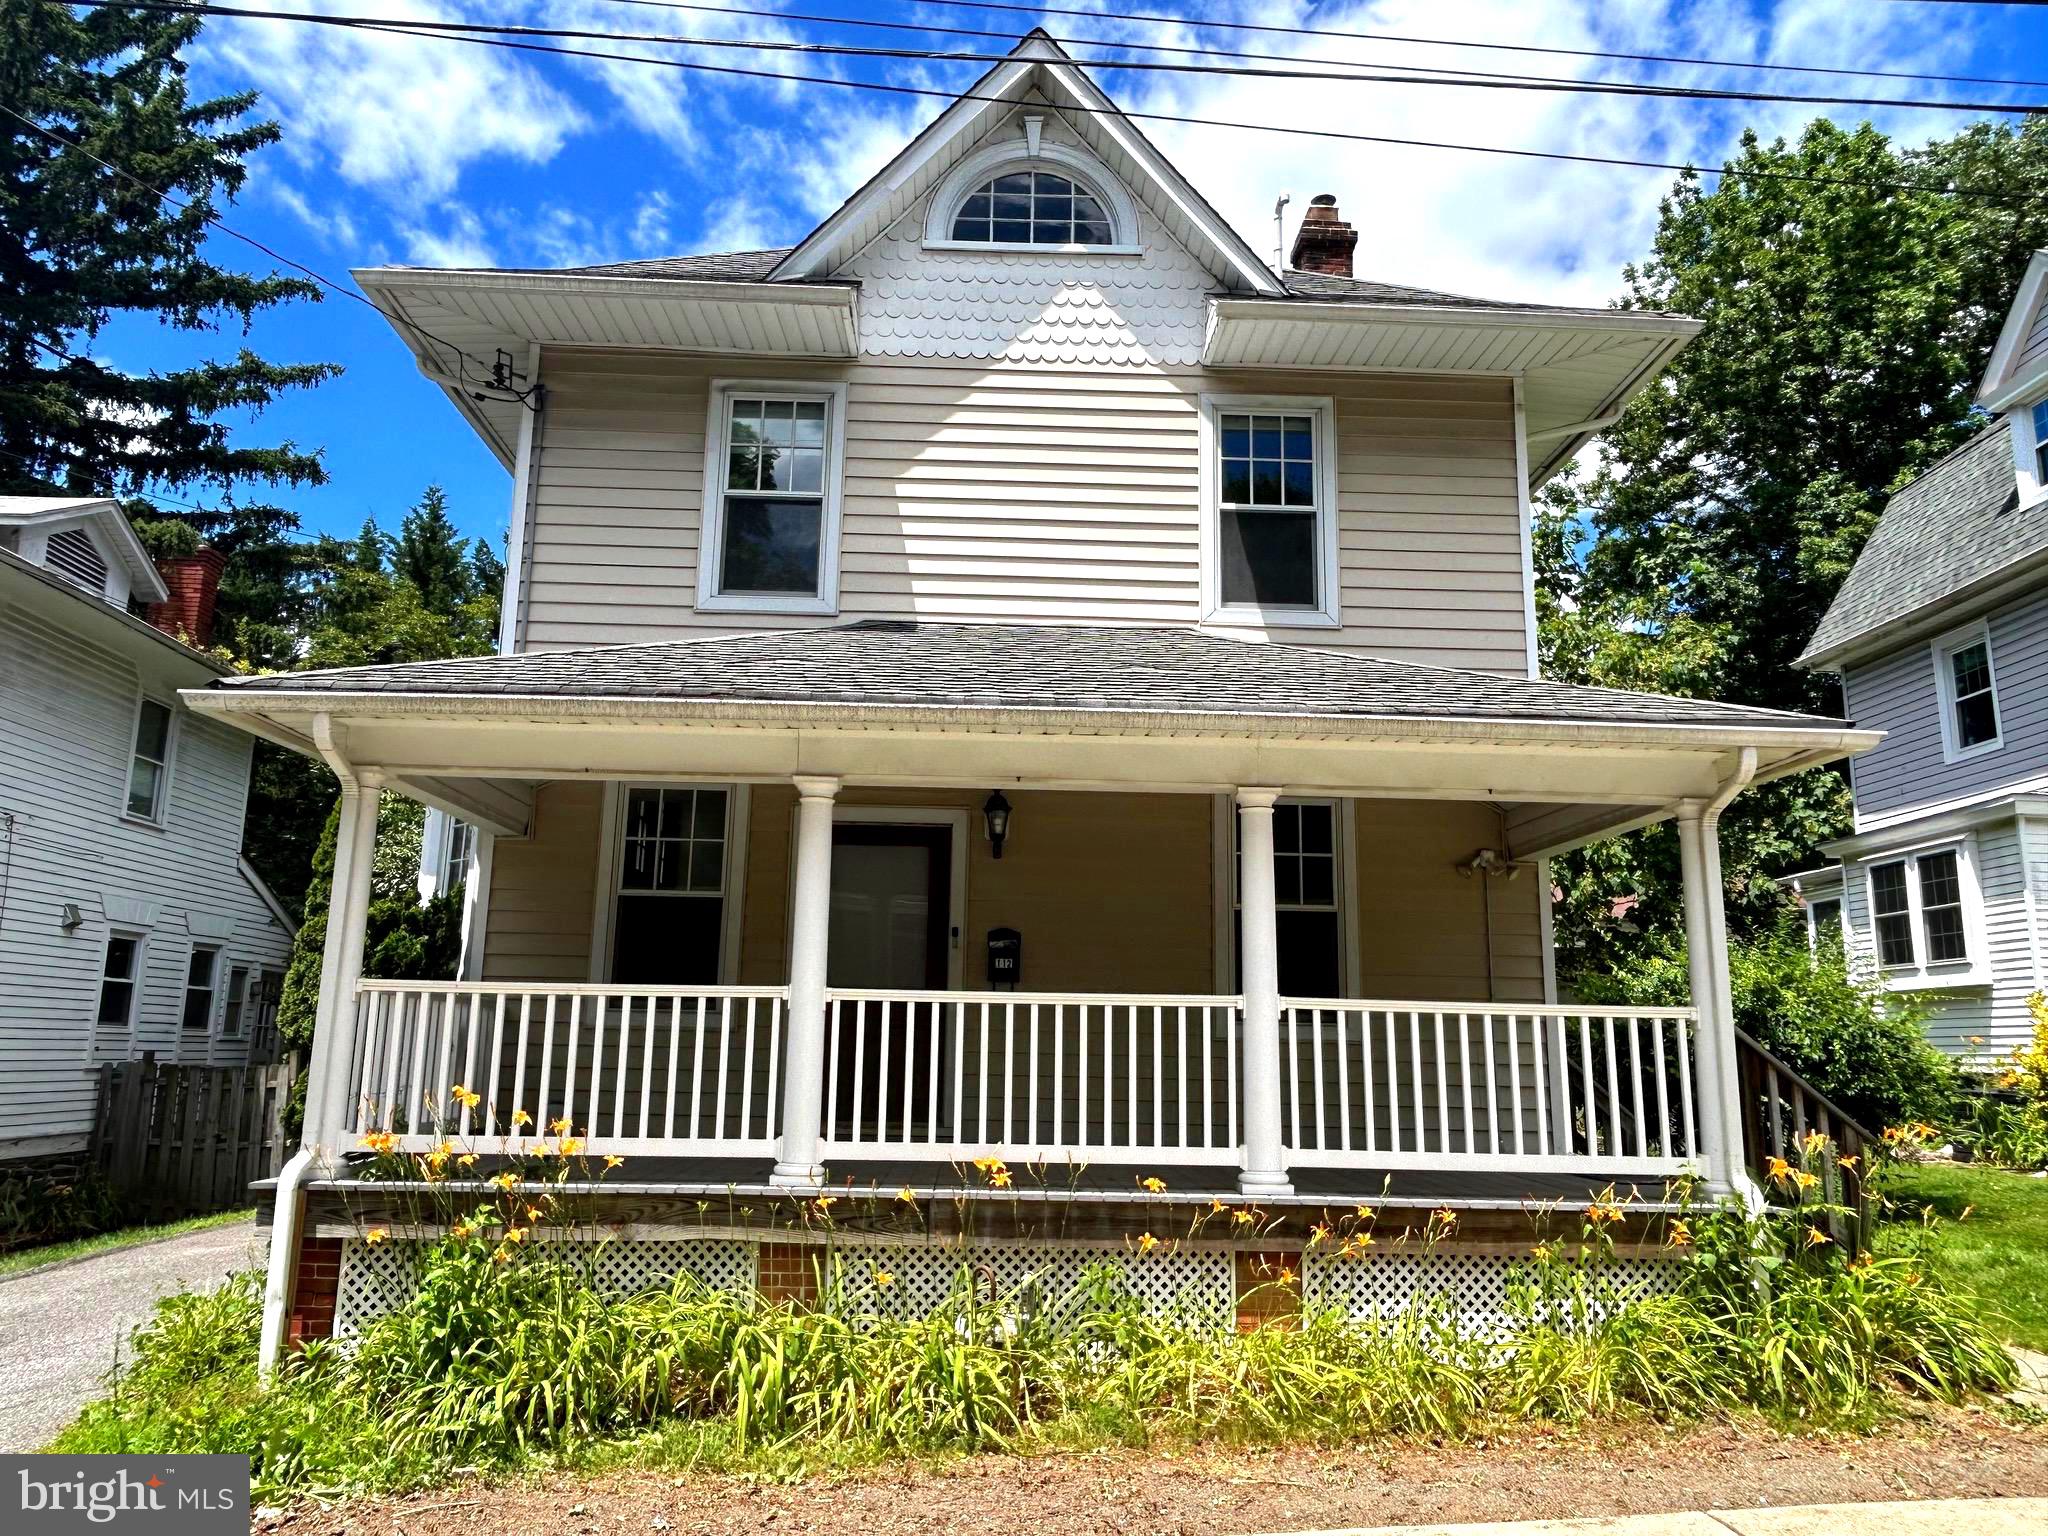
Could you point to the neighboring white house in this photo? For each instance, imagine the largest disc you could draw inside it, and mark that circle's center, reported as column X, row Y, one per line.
column 1015, row 675
column 129, row 921
column 1940, row 634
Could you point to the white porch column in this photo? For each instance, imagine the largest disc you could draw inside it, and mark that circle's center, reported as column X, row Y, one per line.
column 803, row 1067
column 1717, row 1103
column 1265, row 1160
column 341, row 967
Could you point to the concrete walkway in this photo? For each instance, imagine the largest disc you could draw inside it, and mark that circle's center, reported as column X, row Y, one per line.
column 60, row 1327
column 1928, row 1517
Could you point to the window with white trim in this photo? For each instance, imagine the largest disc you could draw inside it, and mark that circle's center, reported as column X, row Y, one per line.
column 1307, row 887
column 668, row 913
column 149, row 768
column 1269, row 490
column 1032, row 207
column 2039, row 413
column 1967, row 685
column 455, row 857
column 771, row 498
column 1823, row 923
column 1922, row 908
column 120, row 982
column 202, row 985
column 234, row 1024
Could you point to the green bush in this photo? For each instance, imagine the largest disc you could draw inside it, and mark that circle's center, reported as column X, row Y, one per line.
column 1859, row 1045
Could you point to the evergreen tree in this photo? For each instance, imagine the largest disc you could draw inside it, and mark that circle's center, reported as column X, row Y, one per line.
column 81, row 244
column 428, row 553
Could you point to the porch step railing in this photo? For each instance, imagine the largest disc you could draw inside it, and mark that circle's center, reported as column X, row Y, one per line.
column 1418, row 1085
column 1779, row 1110
column 1032, row 1076
column 676, row 1070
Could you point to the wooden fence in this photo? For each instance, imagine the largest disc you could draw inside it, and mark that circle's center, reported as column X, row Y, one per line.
column 178, row 1141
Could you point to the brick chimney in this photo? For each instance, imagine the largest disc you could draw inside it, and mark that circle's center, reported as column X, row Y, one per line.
column 194, row 580
column 1324, row 242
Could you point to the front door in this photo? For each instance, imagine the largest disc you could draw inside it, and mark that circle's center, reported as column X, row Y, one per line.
column 891, row 905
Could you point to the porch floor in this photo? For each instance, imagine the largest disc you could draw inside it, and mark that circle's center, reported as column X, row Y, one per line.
column 1118, row 1183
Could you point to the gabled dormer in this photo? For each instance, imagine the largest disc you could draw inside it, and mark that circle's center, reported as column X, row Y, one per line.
column 2016, row 381
column 87, row 541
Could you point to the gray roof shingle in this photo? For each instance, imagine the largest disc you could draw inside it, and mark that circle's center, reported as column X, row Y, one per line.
column 1081, row 668
column 1959, row 522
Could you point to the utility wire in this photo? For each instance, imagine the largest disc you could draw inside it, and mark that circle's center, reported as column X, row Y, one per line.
column 782, row 77
column 1454, row 42
column 965, row 56
column 1122, row 45
column 217, row 222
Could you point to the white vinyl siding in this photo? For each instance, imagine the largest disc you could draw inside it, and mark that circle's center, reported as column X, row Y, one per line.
column 1029, row 494
column 67, row 736
column 1902, row 695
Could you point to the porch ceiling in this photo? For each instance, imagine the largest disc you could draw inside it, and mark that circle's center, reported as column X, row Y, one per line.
column 895, row 704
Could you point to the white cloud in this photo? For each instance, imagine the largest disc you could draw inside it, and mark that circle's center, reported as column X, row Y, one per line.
column 461, row 243
column 402, row 114
column 335, row 227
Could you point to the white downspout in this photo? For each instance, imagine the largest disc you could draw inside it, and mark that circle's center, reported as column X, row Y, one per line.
column 286, row 1218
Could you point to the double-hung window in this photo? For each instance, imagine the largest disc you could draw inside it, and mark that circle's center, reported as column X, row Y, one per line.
column 669, row 906
column 202, row 983
column 149, row 765
column 2039, row 414
column 1921, row 911
column 1824, row 924
column 1269, row 505
column 1307, row 882
column 1968, row 690
column 120, row 980
column 455, row 858
column 771, row 498
column 234, row 1024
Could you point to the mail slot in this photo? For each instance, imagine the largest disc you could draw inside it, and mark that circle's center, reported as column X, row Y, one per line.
column 1005, row 957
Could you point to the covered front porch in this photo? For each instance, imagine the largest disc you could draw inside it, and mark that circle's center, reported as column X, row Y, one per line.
column 1262, row 921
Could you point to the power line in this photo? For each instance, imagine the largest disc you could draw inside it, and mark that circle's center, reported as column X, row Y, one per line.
column 217, row 222
column 782, row 77
column 1461, row 81
column 1453, row 42
column 1073, row 41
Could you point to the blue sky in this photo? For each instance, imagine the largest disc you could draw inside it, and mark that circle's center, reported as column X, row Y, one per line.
column 438, row 153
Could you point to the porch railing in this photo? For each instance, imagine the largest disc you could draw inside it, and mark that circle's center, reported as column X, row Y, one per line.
column 1032, row 1076
column 1029, row 1076
column 1544, row 1089
column 676, row 1070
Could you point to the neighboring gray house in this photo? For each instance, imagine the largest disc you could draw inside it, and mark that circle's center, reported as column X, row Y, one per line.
column 129, row 921
column 1940, row 634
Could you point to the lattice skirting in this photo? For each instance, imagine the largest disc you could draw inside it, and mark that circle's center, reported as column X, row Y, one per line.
column 375, row 1280
column 1194, row 1284
column 1474, row 1285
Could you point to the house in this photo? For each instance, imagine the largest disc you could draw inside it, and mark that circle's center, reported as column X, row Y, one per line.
column 1014, row 676
column 129, row 920
column 1940, row 635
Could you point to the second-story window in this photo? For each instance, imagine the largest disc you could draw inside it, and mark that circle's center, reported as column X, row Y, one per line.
column 2040, row 414
column 149, row 768
column 1968, row 691
column 1269, row 508
column 771, row 503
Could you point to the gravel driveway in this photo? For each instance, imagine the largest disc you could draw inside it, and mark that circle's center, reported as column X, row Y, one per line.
column 60, row 1327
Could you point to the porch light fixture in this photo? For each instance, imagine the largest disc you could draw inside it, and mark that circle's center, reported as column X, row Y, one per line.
column 995, row 810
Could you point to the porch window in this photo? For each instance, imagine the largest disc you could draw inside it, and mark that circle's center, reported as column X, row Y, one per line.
column 202, row 980
column 1969, row 693
column 1921, row 908
column 771, row 503
column 1308, row 921
column 1269, row 500
column 455, row 859
column 670, row 900
column 149, row 766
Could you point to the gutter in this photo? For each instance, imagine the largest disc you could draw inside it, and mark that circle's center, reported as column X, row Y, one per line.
column 594, row 286
column 1632, row 321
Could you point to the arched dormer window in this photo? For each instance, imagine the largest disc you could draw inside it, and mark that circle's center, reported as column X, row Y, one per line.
column 1033, row 195
column 1028, row 207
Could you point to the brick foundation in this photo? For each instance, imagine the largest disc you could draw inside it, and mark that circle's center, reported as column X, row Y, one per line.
column 1268, row 1289
column 788, row 1272
column 316, row 1281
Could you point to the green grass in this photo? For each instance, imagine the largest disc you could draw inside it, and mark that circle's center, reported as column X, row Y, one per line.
column 23, row 1260
column 2000, row 1250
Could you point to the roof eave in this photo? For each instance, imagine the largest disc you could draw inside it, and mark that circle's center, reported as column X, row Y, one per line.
column 1929, row 618
column 1804, row 739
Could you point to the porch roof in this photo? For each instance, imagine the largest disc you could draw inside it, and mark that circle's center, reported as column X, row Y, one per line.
column 1076, row 669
